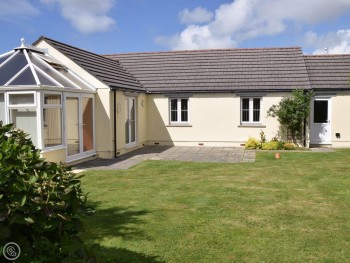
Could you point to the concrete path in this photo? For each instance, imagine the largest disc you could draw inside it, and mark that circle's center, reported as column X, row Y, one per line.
column 183, row 154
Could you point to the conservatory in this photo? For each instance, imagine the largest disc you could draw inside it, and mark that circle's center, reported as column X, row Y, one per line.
column 47, row 100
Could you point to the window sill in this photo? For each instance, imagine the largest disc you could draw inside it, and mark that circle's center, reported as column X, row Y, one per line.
column 252, row 125
column 179, row 125
column 54, row 148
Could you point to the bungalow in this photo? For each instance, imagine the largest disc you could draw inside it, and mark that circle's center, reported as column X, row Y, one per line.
column 76, row 104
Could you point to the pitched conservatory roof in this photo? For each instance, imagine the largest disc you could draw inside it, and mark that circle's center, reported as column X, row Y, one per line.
column 27, row 66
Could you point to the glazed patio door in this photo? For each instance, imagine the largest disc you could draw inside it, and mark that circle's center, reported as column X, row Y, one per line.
column 79, row 126
column 130, row 121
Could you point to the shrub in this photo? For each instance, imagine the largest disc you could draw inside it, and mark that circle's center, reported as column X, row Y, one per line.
column 273, row 145
column 292, row 113
column 252, row 143
column 289, row 146
column 41, row 203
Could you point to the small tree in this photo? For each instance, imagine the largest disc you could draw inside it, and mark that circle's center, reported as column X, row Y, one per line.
column 292, row 113
column 41, row 203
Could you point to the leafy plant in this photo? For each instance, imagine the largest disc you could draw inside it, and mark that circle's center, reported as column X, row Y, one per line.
column 289, row 146
column 41, row 203
column 252, row 143
column 292, row 113
column 273, row 145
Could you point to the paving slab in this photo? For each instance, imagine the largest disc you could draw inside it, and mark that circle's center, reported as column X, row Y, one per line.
column 185, row 154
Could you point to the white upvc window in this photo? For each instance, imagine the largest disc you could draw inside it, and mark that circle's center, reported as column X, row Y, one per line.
column 22, row 107
column 250, row 110
column 52, row 120
column 178, row 110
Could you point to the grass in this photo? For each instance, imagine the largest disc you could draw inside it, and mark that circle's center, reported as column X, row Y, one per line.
column 296, row 209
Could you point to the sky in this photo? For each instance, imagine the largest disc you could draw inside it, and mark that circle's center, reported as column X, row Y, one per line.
column 122, row 26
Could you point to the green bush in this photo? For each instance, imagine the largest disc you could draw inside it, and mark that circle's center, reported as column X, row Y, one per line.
column 41, row 203
column 252, row 143
column 289, row 146
column 273, row 145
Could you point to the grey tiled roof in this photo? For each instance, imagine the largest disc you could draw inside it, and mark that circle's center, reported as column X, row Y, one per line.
column 218, row 70
column 329, row 71
column 106, row 70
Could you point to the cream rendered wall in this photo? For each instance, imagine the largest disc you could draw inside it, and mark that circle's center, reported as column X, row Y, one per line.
column 103, row 110
column 340, row 122
column 214, row 120
column 55, row 155
column 104, row 123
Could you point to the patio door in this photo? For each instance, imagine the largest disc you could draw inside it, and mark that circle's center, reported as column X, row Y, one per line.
column 320, row 130
column 79, row 128
column 130, row 121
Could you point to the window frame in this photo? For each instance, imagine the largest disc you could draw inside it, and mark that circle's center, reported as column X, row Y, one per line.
column 33, row 107
column 179, row 111
column 251, row 111
column 14, row 106
column 5, row 108
column 52, row 106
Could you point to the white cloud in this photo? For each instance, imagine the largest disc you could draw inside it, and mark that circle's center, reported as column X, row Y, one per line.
column 336, row 42
column 246, row 19
column 87, row 16
column 17, row 8
column 198, row 15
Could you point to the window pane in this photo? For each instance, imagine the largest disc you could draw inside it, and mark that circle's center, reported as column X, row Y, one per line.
column 173, row 111
column 256, row 110
column 132, row 131
column 127, row 119
column 2, row 108
column 25, row 119
column 184, row 110
column 2, row 59
column 17, row 99
column 12, row 67
column 88, row 130
column 25, row 78
column 52, row 127
column 50, row 71
column 320, row 111
column 72, row 125
column 245, row 110
column 44, row 80
column 52, row 99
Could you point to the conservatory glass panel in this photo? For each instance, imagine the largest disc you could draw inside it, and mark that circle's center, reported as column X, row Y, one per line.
column 52, row 127
column 44, row 80
column 73, row 78
column 2, row 59
column 88, row 130
column 50, row 71
column 25, row 119
column 72, row 125
column 2, row 108
column 21, row 99
column 25, row 78
column 12, row 67
column 52, row 99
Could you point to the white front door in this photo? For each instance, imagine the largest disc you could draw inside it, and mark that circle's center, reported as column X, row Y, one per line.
column 320, row 129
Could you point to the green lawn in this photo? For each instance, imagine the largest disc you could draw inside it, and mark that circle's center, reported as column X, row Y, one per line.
column 296, row 209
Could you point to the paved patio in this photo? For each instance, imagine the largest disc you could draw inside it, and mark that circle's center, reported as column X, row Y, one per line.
column 183, row 154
